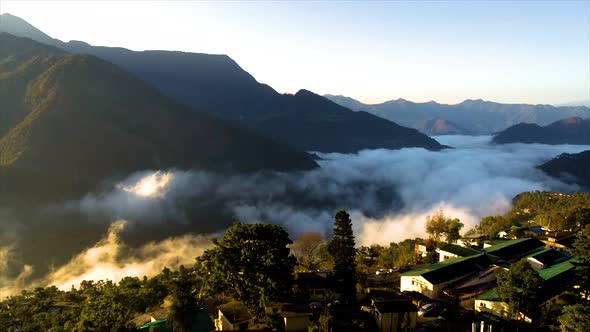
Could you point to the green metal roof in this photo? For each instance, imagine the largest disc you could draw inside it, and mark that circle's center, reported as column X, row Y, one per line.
column 490, row 295
column 155, row 323
column 556, row 269
column 451, row 269
column 458, row 250
column 504, row 244
column 433, row 267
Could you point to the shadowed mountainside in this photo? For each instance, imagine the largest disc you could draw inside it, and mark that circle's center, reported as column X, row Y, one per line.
column 573, row 168
column 79, row 117
column 566, row 131
column 217, row 84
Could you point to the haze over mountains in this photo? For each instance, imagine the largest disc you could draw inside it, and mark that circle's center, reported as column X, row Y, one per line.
column 216, row 84
column 566, row 131
column 477, row 117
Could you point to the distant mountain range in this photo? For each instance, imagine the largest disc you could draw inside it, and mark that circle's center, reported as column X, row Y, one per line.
column 216, row 84
column 566, row 131
column 573, row 168
column 84, row 120
column 474, row 116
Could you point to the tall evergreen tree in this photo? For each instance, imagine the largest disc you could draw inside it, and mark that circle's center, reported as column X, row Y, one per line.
column 184, row 302
column 341, row 248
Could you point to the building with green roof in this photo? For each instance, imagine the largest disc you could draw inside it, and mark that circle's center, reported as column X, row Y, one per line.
column 448, row 251
column 555, row 279
column 432, row 279
column 514, row 250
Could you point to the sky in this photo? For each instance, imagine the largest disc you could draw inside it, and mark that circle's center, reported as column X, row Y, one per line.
column 514, row 52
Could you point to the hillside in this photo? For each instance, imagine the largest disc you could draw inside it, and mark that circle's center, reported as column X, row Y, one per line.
column 566, row 131
column 218, row 85
column 570, row 168
column 80, row 118
column 477, row 116
column 438, row 126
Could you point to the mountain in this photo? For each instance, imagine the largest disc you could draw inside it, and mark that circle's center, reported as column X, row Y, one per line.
column 218, row 85
column 82, row 119
column 477, row 116
column 566, row 131
column 570, row 168
column 439, row 126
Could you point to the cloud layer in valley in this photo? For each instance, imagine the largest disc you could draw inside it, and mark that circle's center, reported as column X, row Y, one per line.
column 388, row 193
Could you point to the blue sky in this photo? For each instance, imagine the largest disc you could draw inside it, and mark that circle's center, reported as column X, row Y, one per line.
column 526, row 51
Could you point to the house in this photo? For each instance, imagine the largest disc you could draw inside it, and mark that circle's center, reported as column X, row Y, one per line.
column 151, row 317
column 157, row 321
column 431, row 280
column 296, row 321
column 513, row 250
column 554, row 278
column 393, row 314
column 421, row 250
column 491, row 303
column 561, row 240
column 448, row 251
column 546, row 258
column 233, row 316
column 481, row 282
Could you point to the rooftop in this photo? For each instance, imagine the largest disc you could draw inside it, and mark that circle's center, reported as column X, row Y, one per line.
column 458, row 250
column 489, row 296
column 549, row 256
column 452, row 268
column 235, row 312
column 514, row 249
column 556, row 270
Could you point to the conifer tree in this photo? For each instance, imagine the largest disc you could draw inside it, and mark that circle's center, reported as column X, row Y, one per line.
column 342, row 249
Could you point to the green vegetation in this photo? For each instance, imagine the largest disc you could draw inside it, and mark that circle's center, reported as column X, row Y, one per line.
column 84, row 119
column 306, row 250
column 95, row 306
column 519, row 287
column 438, row 225
column 251, row 263
column 555, row 211
column 342, row 249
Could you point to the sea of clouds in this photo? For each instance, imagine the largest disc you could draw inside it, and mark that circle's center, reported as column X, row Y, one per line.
column 389, row 194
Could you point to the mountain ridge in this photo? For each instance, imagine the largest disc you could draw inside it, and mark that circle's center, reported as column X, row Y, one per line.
column 218, row 85
column 572, row 130
column 571, row 168
column 475, row 115
column 65, row 125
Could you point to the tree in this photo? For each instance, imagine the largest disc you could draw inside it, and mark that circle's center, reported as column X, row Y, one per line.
column 492, row 225
column 518, row 287
column 306, row 249
column 389, row 256
column 582, row 252
column 184, row 302
column 453, row 228
column 438, row 224
column 252, row 263
column 575, row 318
column 342, row 249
